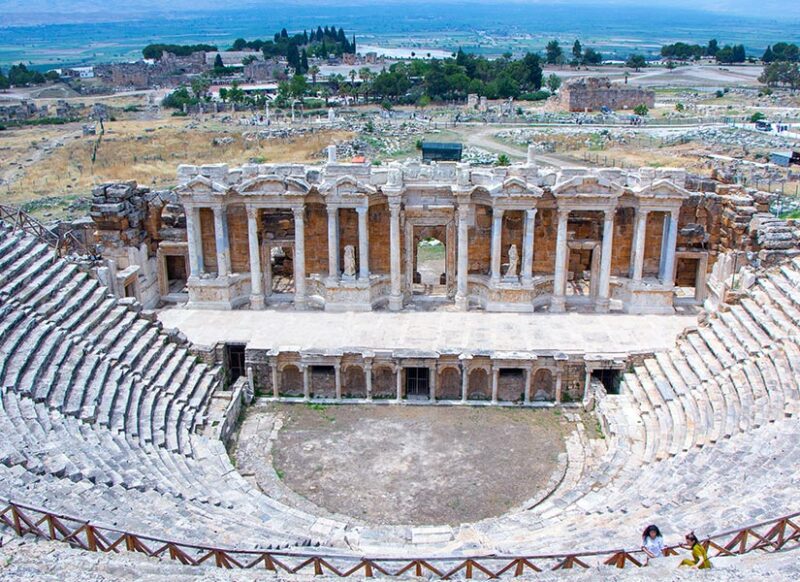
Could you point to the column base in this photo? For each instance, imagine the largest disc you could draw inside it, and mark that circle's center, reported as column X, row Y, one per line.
column 395, row 302
column 602, row 305
column 558, row 304
column 300, row 303
column 257, row 302
column 462, row 302
column 526, row 281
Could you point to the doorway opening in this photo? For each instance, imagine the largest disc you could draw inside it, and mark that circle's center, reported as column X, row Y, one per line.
column 610, row 378
column 418, row 382
column 234, row 359
column 176, row 273
column 430, row 271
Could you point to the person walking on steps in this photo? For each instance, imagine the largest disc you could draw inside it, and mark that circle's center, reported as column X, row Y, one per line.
column 699, row 557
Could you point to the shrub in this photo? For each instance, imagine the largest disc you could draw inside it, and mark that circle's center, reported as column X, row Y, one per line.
column 641, row 110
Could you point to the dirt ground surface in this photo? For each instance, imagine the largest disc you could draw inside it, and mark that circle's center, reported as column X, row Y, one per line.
column 414, row 465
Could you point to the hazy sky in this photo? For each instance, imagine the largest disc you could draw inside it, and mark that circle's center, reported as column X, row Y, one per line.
column 760, row 8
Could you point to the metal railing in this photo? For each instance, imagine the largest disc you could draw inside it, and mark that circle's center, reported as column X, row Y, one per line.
column 63, row 244
column 767, row 536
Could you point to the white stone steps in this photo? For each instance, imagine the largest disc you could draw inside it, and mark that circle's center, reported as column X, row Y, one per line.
column 662, row 413
column 73, row 400
column 95, row 335
column 708, row 359
column 88, row 308
column 779, row 297
column 110, row 339
column 789, row 289
column 787, row 378
column 716, row 347
column 20, row 360
column 41, row 360
column 777, row 399
column 649, row 420
column 57, row 300
column 694, row 360
column 763, row 318
column 17, row 251
column 761, row 399
column 729, row 340
column 126, row 340
column 49, row 377
column 751, row 325
column 750, row 344
column 11, row 345
column 133, row 356
column 733, row 406
column 54, row 270
column 716, row 400
column 90, row 400
column 109, row 397
column 746, row 398
column 39, row 293
column 21, row 279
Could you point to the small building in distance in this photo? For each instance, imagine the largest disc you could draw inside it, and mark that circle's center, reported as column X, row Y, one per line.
column 434, row 151
column 594, row 93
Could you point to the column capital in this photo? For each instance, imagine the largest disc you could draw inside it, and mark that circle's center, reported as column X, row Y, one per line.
column 463, row 211
column 531, row 212
column 252, row 211
column 299, row 212
column 609, row 213
column 332, row 209
column 497, row 212
column 563, row 213
column 362, row 210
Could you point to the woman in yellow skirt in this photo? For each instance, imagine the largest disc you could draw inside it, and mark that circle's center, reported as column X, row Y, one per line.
column 699, row 557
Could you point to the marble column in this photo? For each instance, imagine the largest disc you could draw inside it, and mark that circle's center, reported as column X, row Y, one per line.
column 396, row 297
column 464, row 383
column 399, row 382
column 495, row 383
column 221, row 239
column 276, row 388
column 368, row 380
column 256, row 278
column 558, row 385
column 527, row 247
column 587, row 381
column 604, row 291
column 462, row 288
column 558, row 302
column 433, row 378
column 497, row 241
column 306, row 382
column 299, row 258
column 363, row 243
column 640, row 230
column 527, row 397
column 333, row 244
column 337, row 373
column 194, row 241
column 668, row 265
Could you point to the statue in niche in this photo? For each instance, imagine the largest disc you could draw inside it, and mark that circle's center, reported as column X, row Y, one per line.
column 349, row 261
column 513, row 261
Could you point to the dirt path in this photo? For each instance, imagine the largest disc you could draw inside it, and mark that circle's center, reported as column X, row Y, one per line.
column 483, row 138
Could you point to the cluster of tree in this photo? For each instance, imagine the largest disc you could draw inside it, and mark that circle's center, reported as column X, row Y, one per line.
column 682, row 51
column 781, row 73
column 781, row 51
column 421, row 81
column 636, row 62
column 580, row 56
column 21, row 76
column 298, row 48
column 180, row 97
column 156, row 51
column 731, row 54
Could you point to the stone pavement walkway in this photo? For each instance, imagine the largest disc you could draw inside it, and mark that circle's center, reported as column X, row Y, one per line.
column 431, row 331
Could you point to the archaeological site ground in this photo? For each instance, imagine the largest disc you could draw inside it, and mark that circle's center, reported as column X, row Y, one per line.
column 321, row 325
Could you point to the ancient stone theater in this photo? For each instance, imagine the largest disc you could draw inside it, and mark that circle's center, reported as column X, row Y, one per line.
column 652, row 313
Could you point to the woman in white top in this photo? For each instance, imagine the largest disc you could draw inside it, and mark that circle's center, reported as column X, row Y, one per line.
column 652, row 543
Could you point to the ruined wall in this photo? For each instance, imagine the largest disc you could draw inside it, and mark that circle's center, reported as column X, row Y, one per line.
column 208, row 240
column 480, row 241
column 621, row 254
column 379, row 233
column 544, row 243
column 238, row 239
column 316, row 231
column 595, row 93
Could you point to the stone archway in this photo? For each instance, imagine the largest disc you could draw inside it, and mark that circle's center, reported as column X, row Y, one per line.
column 449, row 385
column 479, row 387
column 544, row 387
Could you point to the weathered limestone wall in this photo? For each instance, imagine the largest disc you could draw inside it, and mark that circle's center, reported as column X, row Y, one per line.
column 480, row 241
column 595, row 93
column 379, row 249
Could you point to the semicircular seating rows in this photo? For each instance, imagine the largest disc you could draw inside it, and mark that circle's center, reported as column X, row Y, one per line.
column 99, row 409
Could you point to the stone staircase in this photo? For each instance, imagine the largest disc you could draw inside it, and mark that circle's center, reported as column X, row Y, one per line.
column 98, row 411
